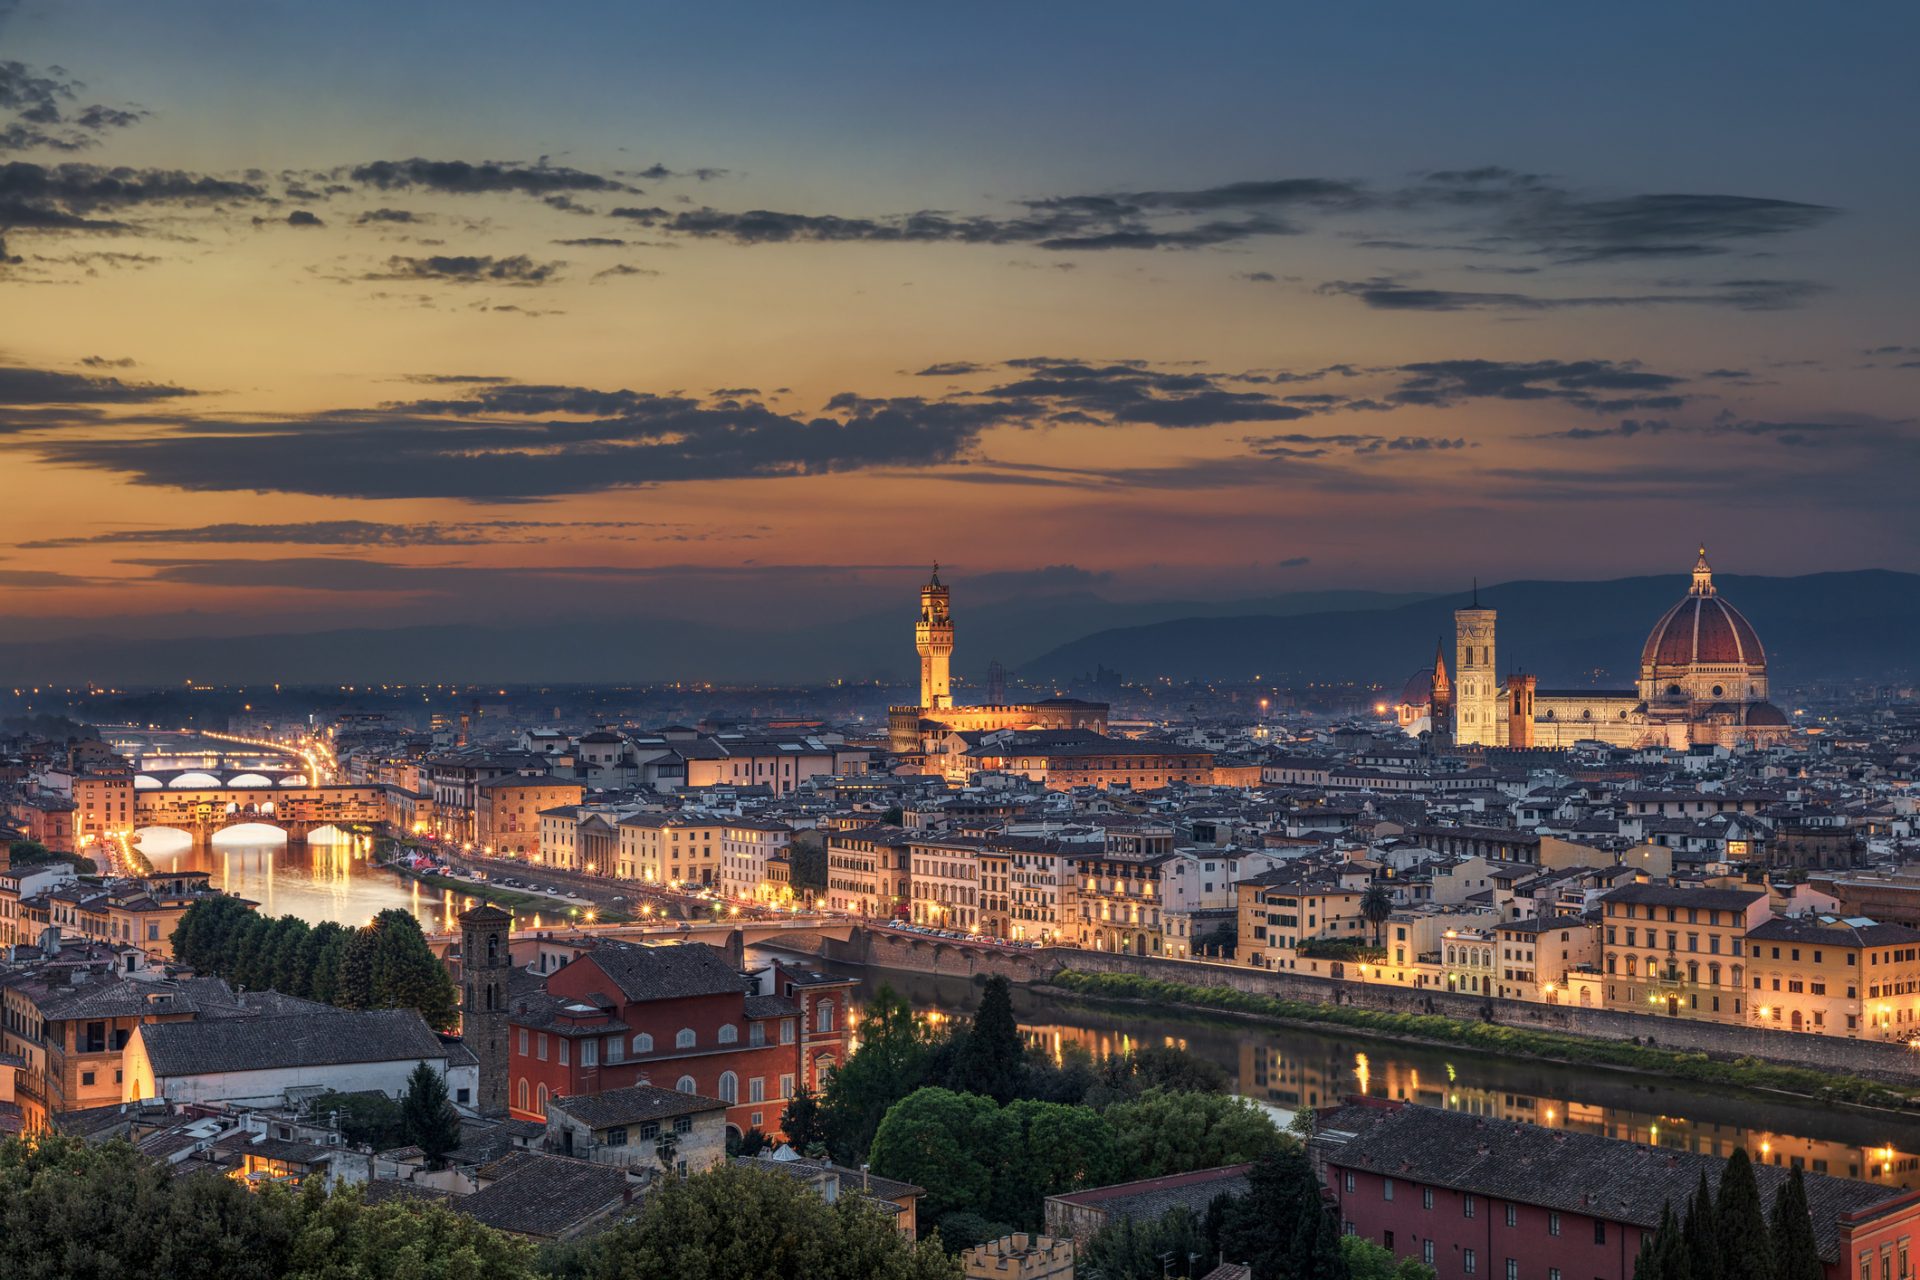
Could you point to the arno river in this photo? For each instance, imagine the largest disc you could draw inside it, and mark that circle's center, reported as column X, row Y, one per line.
column 1280, row 1067
column 1289, row 1068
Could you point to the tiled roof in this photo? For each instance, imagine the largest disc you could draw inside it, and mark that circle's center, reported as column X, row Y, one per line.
column 1834, row 933
column 633, row 1104
column 1150, row 1198
column 541, row 1195
column 1668, row 895
column 850, row 1179
column 1557, row 1168
column 661, row 973
column 297, row 1040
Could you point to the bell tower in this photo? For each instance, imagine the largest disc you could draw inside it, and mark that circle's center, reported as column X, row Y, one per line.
column 485, row 967
column 933, row 637
column 1476, row 682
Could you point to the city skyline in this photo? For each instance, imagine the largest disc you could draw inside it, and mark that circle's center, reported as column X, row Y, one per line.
column 345, row 315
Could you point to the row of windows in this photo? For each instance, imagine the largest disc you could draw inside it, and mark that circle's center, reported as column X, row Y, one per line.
column 1469, row 1207
column 685, row 1038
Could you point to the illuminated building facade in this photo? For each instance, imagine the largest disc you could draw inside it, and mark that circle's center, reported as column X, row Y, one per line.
column 1703, row 681
column 914, row 730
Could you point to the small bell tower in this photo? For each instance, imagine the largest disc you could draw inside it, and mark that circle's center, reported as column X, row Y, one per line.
column 485, row 967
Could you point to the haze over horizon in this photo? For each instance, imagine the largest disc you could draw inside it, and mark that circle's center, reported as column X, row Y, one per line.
column 349, row 317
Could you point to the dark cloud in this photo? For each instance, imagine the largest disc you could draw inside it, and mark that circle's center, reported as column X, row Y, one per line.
column 1497, row 211
column 102, row 362
column 1293, row 562
column 509, row 443
column 386, row 215
column 39, row 110
column 1257, row 277
column 1742, row 295
column 1599, row 385
column 469, row 269
column 455, row 378
column 39, row 579
column 22, row 386
column 493, row 440
column 1306, row 445
column 369, row 533
column 1128, row 392
column 461, row 177
column 1725, row 423
column 594, row 242
column 66, row 197
column 304, row 218
column 660, row 173
column 624, row 269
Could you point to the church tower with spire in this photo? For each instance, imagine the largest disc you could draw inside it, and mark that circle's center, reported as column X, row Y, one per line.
column 1477, row 719
column 1440, row 703
column 933, row 637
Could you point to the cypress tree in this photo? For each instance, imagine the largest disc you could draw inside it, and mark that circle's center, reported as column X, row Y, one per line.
column 427, row 1117
column 1746, row 1250
column 1651, row 1262
column 1795, row 1255
column 988, row 1060
column 1700, row 1233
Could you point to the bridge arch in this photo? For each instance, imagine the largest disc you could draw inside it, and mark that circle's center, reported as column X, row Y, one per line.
column 195, row 780
column 250, row 833
column 147, row 782
column 162, row 840
column 249, row 780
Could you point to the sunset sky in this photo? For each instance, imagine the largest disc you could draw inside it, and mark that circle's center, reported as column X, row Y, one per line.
column 386, row 313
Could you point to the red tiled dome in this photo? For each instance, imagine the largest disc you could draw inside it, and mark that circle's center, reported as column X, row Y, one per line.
column 1703, row 629
column 1419, row 690
column 1765, row 714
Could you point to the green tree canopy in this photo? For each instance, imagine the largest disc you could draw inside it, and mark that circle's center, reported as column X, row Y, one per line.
column 895, row 1058
column 1369, row 1261
column 1281, row 1227
column 1131, row 1249
column 732, row 1223
column 1161, row 1132
column 951, row 1144
column 341, row 1238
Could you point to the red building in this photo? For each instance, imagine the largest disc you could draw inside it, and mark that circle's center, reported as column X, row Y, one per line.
column 676, row 1017
column 1499, row 1200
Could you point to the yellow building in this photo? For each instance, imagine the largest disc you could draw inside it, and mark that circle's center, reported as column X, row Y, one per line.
column 506, row 811
column 1537, row 956
column 1121, row 906
column 1678, row 950
column 1280, row 909
column 1835, row 977
column 670, row 848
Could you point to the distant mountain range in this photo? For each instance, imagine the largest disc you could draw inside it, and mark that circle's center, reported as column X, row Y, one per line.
column 1570, row 634
column 876, row 645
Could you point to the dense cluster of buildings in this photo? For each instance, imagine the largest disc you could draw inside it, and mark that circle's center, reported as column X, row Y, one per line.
column 1685, row 849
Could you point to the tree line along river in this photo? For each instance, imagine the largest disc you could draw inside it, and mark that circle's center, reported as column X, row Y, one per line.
column 1281, row 1067
column 1288, row 1068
